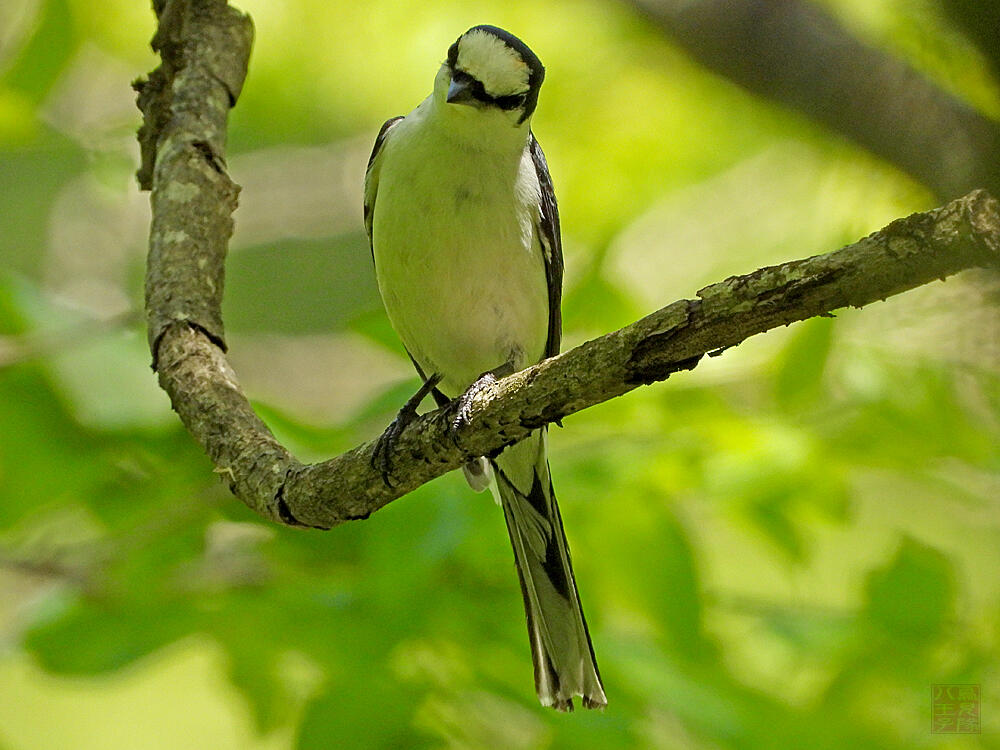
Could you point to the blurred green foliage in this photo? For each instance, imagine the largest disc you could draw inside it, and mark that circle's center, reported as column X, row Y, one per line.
column 783, row 549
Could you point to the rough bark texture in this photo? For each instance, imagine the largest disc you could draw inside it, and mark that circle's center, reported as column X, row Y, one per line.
column 205, row 48
column 186, row 103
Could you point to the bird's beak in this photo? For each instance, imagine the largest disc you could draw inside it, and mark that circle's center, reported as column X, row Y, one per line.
column 459, row 93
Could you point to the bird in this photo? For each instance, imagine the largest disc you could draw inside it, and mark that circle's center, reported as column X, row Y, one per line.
column 464, row 231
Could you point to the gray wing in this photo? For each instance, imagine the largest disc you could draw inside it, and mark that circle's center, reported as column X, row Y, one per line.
column 371, row 178
column 549, row 235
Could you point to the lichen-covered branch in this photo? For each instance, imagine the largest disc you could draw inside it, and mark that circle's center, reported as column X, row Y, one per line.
column 205, row 48
column 185, row 104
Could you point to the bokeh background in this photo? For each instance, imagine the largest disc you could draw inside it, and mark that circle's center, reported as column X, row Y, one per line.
column 785, row 548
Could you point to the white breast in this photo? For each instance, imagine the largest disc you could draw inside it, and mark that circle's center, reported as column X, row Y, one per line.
column 458, row 261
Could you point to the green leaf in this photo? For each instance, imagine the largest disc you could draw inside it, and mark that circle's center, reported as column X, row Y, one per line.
column 44, row 57
column 94, row 637
column 769, row 512
column 37, row 471
column 798, row 382
column 254, row 669
column 101, row 370
column 662, row 575
column 913, row 597
column 373, row 712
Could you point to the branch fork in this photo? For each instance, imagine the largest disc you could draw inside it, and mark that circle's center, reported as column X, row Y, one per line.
column 205, row 46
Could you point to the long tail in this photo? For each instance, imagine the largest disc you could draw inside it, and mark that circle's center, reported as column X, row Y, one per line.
column 560, row 644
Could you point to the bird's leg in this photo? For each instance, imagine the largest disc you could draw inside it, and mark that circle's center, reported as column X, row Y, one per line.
column 463, row 404
column 384, row 446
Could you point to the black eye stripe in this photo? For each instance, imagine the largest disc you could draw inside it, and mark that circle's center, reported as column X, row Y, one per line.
column 507, row 102
column 512, row 101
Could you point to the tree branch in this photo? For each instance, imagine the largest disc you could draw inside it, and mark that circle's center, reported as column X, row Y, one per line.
column 185, row 105
column 796, row 53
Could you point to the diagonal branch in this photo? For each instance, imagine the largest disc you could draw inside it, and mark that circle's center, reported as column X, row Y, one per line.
column 185, row 104
column 797, row 53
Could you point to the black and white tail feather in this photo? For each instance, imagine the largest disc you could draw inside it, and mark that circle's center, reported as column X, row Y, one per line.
column 561, row 650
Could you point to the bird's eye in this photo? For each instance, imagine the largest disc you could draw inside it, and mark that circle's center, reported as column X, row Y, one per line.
column 513, row 101
column 460, row 76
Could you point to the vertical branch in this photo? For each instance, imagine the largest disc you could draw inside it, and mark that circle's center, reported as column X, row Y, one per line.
column 205, row 49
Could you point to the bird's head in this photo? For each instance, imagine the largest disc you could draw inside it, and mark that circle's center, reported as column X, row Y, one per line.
column 491, row 70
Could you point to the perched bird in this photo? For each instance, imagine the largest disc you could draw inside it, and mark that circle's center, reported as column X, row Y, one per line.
column 464, row 232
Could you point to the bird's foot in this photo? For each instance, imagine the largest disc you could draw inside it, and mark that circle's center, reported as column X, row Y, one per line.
column 463, row 404
column 385, row 445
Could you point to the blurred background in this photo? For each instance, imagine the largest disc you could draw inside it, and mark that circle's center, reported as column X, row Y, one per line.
column 785, row 548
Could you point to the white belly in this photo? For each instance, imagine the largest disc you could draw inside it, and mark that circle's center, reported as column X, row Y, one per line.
column 458, row 262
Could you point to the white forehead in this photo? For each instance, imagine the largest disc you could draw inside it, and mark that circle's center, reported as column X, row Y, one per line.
column 500, row 68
